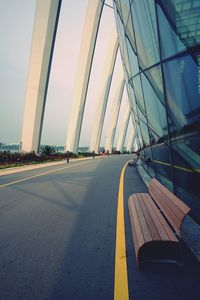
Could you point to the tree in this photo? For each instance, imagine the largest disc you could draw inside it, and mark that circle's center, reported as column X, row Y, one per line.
column 47, row 150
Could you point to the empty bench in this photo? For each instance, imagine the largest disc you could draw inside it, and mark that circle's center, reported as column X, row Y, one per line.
column 156, row 219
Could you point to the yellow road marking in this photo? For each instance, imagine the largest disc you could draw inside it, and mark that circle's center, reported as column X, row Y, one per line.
column 177, row 167
column 37, row 175
column 121, row 277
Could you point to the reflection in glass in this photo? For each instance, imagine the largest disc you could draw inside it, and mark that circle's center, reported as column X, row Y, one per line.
column 179, row 25
column 125, row 7
column 136, row 83
column 156, row 112
column 164, row 85
column 129, row 32
column 155, row 78
column 144, row 19
column 145, row 134
column 133, row 60
column 183, row 98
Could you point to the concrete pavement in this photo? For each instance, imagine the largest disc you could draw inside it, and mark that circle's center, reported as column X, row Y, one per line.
column 8, row 171
column 57, row 232
column 57, row 237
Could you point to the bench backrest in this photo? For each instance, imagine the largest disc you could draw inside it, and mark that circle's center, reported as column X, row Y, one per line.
column 171, row 206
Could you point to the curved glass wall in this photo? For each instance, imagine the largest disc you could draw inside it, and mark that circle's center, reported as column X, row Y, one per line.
column 160, row 48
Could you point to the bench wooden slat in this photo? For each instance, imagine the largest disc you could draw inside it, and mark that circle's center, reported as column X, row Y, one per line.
column 142, row 219
column 171, row 217
column 185, row 209
column 149, row 221
column 166, row 200
column 148, row 226
column 135, row 222
column 165, row 231
column 134, row 232
column 150, row 215
column 172, row 207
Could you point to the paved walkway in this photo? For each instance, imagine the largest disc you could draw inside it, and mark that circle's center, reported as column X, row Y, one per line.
column 57, row 236
column 8, row 171
column 158, row 281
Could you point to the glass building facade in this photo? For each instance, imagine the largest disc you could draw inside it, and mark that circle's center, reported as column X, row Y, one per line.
column 160, row 48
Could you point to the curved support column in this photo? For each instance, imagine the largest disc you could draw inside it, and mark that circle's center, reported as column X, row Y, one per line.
column 104, row 93
column 115, row 113
column 86, row 55
column 44, row 33
column 131, row 140
column 124, row 127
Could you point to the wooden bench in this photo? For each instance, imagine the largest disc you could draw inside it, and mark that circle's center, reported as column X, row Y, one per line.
column 156, row 220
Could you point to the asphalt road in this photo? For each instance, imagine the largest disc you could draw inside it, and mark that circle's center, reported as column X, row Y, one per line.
column 57, row 231
column 57, row 237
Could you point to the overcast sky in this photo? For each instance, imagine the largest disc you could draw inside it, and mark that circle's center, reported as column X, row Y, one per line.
column 17, row 17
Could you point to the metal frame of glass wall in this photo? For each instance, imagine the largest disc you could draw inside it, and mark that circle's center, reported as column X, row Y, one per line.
column 160, row 49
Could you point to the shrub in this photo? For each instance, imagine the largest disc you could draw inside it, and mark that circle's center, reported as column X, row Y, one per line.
column 47, row 150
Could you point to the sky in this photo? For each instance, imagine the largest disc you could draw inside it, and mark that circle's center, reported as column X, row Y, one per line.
column 17, row 18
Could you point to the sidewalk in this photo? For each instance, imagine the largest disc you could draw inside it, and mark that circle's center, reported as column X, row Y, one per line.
column 157, row 281
column 14, row 170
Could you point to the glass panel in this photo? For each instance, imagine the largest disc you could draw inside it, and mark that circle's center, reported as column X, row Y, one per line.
column 141, row 116
column 135, row 145
column 149, row 163
column 125, row 8
column 186, row 164
column 132, row 60
column 179, row 26
column 155, row 109
column 191, row 200
column 132, row 97
column 126, row 57
column 182, row 82
column 136, row 82
column 162, row 164
column 117, row 2
column 155, row 78
column 145, row 134
column 123, row 47
column 139, row 135
column 144, row 19
column 170, row 42
column 130, row 32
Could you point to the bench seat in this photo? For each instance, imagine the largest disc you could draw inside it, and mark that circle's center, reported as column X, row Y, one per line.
column 156, row 220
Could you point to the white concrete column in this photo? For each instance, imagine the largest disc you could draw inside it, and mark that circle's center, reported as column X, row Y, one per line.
column 44, row 32
column 86, row 55
column 131, row 140
column 115, row 113
column 103, row 93
column 124, row 127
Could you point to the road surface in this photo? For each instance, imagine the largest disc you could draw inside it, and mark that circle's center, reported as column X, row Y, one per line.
column 58, row 237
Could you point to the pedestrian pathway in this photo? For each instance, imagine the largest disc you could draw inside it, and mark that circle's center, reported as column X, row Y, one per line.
column 58, row 237
column 14, row 170
column 157, row 281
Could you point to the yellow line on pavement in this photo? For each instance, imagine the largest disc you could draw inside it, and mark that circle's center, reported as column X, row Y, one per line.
column 121, row 277
column 37, row 175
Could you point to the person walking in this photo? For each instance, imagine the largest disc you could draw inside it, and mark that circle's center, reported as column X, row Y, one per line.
column 93, row 154
column 67, row 156
column 137, row 155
